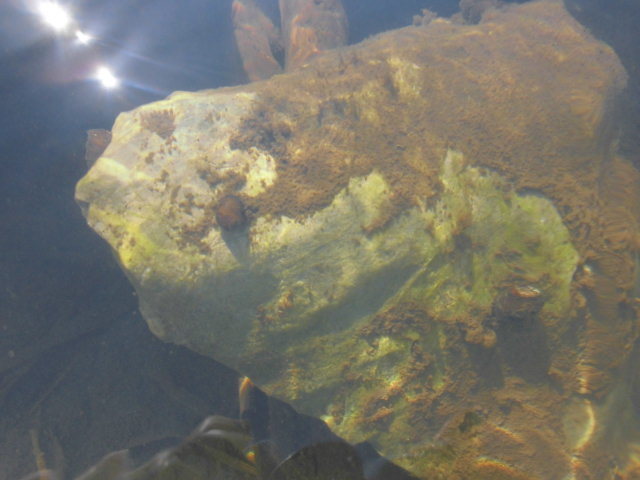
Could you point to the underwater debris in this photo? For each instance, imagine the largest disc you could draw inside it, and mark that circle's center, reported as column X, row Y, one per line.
column 230, row 213
column 258, row 40
column 236, row 449
column 309, row 27
column 330, row 460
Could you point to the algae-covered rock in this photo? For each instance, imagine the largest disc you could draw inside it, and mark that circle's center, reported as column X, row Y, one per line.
column 399, row 238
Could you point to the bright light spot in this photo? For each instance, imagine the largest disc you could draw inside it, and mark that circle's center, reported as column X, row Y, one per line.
column 55, row 15
column 83, row 38
column 107, row 78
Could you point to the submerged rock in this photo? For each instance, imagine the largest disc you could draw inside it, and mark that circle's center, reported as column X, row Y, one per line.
column 97, row 142
column 309, row 28
column 391, row 193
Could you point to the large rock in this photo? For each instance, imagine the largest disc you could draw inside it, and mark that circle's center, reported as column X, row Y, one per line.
column 412, row 238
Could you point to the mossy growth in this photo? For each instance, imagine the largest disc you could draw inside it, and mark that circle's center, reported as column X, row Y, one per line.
column 385, row 372
column 488, row 237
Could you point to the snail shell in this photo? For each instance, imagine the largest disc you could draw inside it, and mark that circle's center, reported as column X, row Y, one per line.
column 230, row 213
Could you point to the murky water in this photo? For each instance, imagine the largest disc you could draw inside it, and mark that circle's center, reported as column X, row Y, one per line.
column 412, row 225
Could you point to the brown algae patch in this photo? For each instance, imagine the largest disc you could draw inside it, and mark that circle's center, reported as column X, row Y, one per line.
column 160, row 122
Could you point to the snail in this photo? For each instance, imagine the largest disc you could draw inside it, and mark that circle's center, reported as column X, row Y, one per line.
column 230, row 213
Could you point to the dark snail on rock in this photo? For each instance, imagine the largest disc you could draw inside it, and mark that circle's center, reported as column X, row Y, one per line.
column 230, row 213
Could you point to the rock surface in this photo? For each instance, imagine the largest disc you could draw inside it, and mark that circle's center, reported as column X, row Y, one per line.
column 437, row 246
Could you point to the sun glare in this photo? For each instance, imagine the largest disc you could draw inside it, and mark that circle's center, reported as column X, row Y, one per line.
column 54, row 15
column 107, row 78
column 83, row 38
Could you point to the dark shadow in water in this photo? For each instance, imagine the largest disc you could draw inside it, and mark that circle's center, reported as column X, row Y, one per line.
column 122, row 388
column 486, row 363
column 367, row 299
column 522, row 343
column 114, row 388
column 238, row 244
column 615, row 22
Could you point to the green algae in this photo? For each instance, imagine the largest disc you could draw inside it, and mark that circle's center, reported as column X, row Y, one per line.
column 483, row 237
column 477, row 238
column 486, row 236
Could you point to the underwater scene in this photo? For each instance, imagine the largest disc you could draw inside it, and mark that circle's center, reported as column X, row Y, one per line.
column 320, row 240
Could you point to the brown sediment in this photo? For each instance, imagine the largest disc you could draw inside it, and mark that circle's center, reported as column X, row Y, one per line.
column 323, row 135
column 232, row 180
column 397, row 320
column 488, row 100
column 610, row 249
column 318, row 152
column 193, row 235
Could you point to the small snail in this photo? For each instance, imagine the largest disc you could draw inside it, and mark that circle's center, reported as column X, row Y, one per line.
column 230, row 213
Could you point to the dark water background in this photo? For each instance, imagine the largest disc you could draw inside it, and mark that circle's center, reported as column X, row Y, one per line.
column 77, row 363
